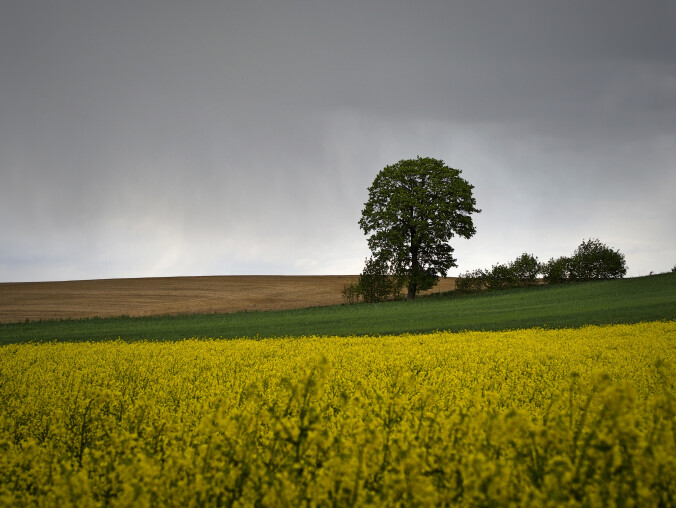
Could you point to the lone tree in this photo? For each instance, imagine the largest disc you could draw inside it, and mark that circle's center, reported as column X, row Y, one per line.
column 414, row 209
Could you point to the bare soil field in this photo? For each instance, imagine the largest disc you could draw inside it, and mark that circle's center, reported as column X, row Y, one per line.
column 171, row 295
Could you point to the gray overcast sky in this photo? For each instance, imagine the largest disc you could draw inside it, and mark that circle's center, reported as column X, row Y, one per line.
column 158, row 138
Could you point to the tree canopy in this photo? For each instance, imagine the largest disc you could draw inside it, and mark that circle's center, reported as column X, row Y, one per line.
column 414, row 209
column 595, row 260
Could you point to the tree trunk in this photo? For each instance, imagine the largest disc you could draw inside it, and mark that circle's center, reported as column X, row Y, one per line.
column 412, row 288
column 415, row 268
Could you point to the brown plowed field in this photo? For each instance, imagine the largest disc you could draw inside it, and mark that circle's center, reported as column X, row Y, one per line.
column 171, row 295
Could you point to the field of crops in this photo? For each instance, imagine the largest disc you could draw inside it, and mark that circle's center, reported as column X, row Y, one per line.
column 568, row 417
column 633, row 300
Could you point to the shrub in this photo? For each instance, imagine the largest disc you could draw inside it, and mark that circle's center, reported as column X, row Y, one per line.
column 470, row 281
column 501, row 277
column 377, row 283
column 594, row 260
column 351, row 292
column 525, row 269
column 556, row 271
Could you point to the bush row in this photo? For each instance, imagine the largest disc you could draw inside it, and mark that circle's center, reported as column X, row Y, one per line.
column 592, row 260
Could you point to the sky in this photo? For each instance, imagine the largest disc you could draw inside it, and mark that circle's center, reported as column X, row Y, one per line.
column 171, row 138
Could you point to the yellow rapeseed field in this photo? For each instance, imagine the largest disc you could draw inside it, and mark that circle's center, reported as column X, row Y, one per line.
column 572, row 417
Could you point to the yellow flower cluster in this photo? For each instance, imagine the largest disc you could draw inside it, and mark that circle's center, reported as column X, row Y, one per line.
column 573, row 417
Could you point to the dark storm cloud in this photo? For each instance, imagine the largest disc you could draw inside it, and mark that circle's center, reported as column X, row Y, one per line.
column 239, row 137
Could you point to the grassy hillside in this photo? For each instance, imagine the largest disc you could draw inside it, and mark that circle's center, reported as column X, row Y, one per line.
column 569, row 305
